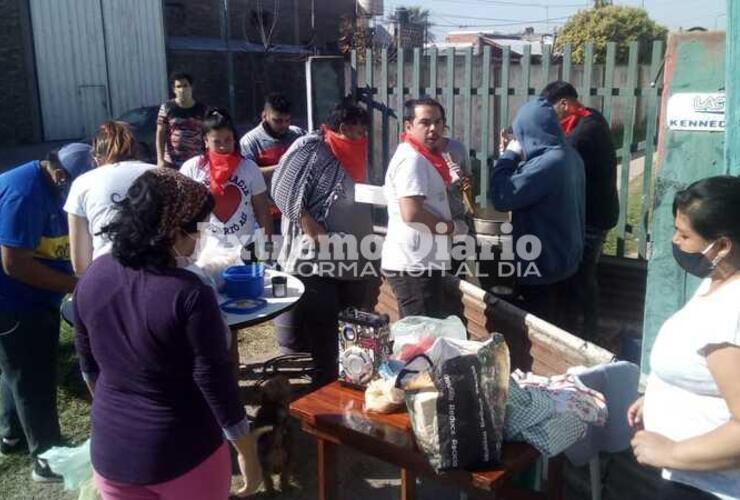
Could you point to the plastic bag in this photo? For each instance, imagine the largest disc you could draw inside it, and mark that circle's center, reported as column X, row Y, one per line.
column 88, row 491
column 413, row 335
column 212, row 259
column 381, row 396
column 441, row 349
column 73, row 464
column 457, row 404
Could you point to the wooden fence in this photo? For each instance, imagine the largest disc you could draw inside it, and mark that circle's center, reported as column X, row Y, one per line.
column 484, row 106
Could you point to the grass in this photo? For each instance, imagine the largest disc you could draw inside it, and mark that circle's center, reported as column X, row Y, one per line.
column 73, row 402
column 633, row 220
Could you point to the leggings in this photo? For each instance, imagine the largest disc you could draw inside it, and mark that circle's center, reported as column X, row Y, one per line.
column 210, row 480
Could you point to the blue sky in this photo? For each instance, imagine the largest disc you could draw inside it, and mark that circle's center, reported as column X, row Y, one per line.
column 513, row 15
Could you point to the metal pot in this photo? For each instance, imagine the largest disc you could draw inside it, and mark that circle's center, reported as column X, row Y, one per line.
column 487, row 227
column 487, row 221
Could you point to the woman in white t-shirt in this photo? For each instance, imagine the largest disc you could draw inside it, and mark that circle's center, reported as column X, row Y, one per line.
column 689, row 418
column 90, row 203
column 237, row 186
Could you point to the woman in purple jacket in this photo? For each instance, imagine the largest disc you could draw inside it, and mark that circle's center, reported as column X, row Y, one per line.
column 153, row 353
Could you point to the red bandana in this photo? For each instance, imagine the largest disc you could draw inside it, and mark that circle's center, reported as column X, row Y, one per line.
column 221, row 167
column 351, row 153
column 436, row 159
column 571, row 120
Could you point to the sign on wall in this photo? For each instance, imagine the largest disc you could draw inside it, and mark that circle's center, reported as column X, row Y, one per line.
column 697, row 112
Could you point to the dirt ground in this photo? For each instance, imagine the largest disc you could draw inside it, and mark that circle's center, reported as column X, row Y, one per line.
column 360, row 477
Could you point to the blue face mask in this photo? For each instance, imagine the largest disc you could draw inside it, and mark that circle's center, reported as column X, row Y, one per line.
column 694, row 263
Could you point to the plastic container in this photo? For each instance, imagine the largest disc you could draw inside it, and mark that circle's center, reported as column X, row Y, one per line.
column 247, row 281
column 279, row 286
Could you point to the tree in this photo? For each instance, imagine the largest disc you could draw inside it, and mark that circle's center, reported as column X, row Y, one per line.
column 610, row 23
column 417, row 16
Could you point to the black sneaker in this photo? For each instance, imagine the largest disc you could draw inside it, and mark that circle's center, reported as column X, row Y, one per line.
column 11, row 445
column 41, row 473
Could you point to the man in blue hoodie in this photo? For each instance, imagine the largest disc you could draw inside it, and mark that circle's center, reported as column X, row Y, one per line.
column 541, row 180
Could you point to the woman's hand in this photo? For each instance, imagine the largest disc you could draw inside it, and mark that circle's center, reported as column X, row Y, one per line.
column 634, row 414
column 653, row 449
column 249, row 464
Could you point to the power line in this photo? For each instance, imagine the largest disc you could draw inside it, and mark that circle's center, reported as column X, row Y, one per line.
column 519, row 23
column 517, row 4
column 477, row 17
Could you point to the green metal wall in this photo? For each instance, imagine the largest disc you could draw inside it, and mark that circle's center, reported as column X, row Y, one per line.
column 695, row 62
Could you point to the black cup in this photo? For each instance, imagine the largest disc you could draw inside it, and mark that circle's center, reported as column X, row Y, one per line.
column 279, row 286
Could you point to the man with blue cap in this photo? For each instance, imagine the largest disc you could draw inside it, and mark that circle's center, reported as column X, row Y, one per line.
column 34, row 277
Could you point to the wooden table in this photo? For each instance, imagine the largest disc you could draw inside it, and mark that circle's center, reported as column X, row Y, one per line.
column 334, row 415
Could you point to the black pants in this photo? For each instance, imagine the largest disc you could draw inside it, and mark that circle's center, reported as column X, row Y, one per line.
column 311, row 326
column 586, row 284
column 672, row 490
column 554, row 303
column 29, row 342
column 418, row 295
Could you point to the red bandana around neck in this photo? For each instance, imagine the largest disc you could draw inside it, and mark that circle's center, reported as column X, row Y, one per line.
column 573, row 117
column 221, row 167
column 436, row 159
column 351, row 153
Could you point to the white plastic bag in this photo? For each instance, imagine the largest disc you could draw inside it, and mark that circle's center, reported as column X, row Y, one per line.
column 443, row 349
column 424, row 330
column 73, row 464
column 381, row 396
column 212, row 259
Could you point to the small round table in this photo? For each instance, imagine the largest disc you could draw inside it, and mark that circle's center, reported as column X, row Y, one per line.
column 275, row 306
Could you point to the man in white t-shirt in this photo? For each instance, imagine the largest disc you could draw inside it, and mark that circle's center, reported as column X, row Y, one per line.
column 416, row 252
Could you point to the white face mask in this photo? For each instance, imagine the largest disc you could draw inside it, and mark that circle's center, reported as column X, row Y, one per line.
column 184, row 261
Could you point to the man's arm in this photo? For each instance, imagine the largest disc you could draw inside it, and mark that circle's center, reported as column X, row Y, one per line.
column 80, row 243
column 413, row 211
column 20, row 264
column 514, row 188
column 160, row 142
column 161, row 135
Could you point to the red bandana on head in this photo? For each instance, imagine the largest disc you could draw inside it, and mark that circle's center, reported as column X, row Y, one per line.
column 221, row 167
column 573, row 117
column 436, row 159
column 351, row 153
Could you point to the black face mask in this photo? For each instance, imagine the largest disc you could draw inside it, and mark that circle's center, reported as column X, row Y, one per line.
column 694, row 263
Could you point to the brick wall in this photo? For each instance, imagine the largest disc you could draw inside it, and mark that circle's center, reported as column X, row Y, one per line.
column 17, row 112
column 256, row 74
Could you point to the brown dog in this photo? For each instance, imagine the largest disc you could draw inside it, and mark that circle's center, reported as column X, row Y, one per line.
column 274, row 446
